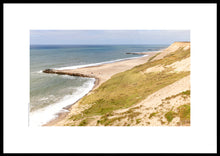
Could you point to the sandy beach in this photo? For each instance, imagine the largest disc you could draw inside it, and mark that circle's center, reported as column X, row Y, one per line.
column 105, row 71
column 101, row 73
column 153, row 103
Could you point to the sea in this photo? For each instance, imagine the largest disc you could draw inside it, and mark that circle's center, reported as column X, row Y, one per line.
column 50, row 93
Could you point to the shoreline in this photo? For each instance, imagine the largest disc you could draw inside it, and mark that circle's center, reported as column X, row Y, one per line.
column 62, row 115
column 101, row 73
column 102, row 63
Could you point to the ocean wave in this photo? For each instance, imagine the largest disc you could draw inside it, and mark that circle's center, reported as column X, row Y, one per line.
column 96, row 64
column 41, row 71
column 44, row 115
column 68, row 77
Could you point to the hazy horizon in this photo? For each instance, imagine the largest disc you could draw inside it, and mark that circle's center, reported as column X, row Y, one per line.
column 98, row 44
column 107, row 37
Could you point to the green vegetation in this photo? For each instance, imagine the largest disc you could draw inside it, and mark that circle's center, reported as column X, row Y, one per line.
column 170, row 115
column 152, row 114
column 108, row 122
column 134, row 108
column 83, row 122
column 184, row 94
column 119, row 92
column 130, row 87
column 176, row 56
column 153, row 57
column 184, row 113
column 76, row 117
column 187, row 92
column 104, row 120
column 138, row 121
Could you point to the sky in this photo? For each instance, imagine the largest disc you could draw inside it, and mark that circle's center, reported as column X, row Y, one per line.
column 96, row 37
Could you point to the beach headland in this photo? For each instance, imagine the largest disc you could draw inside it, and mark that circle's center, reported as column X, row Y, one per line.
column 148, row 103
column 101, row 73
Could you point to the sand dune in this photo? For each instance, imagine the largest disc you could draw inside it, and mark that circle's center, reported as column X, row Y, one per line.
column 152, row 104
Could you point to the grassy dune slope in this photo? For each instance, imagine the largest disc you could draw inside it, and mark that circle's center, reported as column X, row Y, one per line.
column 128, row 88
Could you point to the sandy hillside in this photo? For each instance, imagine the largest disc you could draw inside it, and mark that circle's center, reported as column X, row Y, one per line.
column 173, row 47
column 169, row 106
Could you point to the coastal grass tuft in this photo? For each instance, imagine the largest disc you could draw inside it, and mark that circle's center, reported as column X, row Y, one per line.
column 152, row 115
column 83, row 122
column 150, row 59
column 184, row 113
column 187, row 92
column 138, row 121
column 132, row 86
column 106, row 121
column 170, row 115
column 184, row 94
